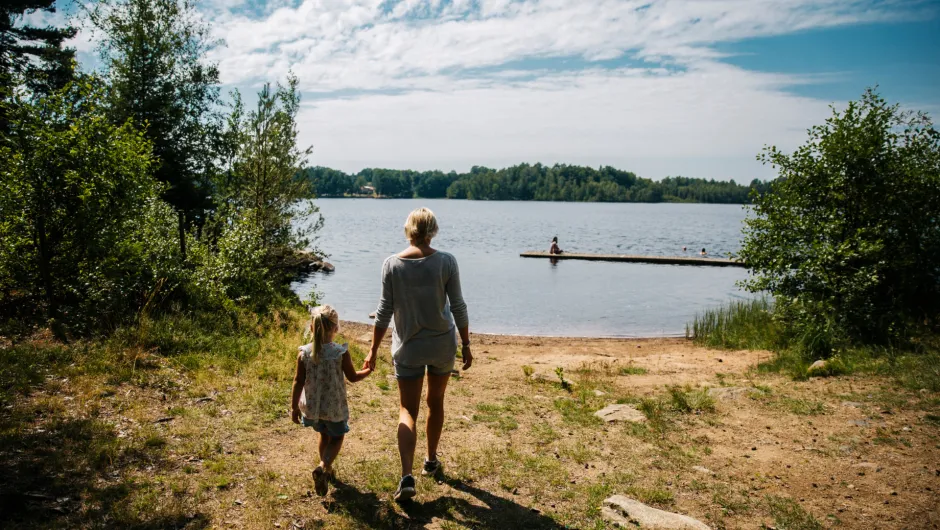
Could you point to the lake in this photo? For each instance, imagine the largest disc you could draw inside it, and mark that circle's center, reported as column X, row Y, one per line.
column 508, row 294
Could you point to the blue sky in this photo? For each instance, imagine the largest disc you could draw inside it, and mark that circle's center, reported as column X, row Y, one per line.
column 659, row 87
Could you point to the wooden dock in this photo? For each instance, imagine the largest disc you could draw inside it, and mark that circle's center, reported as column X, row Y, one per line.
column 660, row 260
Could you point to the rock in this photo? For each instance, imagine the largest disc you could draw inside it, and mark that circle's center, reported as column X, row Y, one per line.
column 600, row 393
column 817, row 368
column 728, row 393
column 628, row 513
column 704, row 470
column 620, row 412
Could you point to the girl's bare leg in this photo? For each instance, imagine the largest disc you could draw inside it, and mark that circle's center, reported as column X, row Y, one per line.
column 329, row 454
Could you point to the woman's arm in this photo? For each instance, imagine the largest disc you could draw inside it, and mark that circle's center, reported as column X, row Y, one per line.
column 383, row 315
column 351, row 374
column 300, row 378
column 459, row 309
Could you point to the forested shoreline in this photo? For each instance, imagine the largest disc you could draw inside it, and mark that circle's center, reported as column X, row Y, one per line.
column 527, row 182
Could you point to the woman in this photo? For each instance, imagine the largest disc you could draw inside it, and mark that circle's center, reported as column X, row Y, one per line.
column 554, row 248
column 421, row 290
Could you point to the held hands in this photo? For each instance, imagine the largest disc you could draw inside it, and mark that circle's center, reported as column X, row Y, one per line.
column 467, row 356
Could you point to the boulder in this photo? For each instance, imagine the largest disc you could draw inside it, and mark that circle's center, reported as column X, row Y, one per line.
column 619, row 412
column 625, row 512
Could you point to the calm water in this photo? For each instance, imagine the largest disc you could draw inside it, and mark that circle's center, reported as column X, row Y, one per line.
column 513, row 295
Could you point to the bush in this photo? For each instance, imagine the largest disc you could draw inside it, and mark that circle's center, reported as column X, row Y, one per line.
column 847, row 239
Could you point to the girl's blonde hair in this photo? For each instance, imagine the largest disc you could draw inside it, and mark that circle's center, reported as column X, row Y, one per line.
column 324, row 319
column 421, row 226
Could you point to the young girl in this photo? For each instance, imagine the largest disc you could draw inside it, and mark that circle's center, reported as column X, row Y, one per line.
column 319, row 394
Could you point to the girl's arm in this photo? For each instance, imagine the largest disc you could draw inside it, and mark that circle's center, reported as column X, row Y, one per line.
column 299, row 379
column 350, row 372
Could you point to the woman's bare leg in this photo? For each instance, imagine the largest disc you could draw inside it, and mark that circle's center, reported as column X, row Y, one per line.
column 409, row 391
column 437, row 385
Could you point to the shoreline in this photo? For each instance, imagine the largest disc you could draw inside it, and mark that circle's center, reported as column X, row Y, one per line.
column 366, row 327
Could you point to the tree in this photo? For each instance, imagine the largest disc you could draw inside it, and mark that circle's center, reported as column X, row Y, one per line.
column 30, row 54
column 154, row 52
column 261, row 181
column 847, row 238
column 73, row 189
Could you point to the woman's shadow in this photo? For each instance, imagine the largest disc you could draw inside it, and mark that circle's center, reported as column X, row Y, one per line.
column 495, row 512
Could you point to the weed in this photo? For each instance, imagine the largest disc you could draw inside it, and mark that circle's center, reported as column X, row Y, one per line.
column 543, row 433
column 656, row 496
column 789, row 515
column 527, row 370
column 633, row 370
column 578, row 411
column 560, row 372
column 689, row 400
column 804, row 407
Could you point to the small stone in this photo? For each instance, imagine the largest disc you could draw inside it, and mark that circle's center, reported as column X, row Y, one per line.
column 704, row 470
column 600, row 393
column 620, row 412
column 852, row 404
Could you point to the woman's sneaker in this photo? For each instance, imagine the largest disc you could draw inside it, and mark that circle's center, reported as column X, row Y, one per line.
column 431, row 467
column 406, row 489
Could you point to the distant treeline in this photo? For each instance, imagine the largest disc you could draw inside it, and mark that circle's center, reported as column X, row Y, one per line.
column 526, row 182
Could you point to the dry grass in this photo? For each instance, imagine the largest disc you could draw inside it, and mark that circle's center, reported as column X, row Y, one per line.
column 136, row 439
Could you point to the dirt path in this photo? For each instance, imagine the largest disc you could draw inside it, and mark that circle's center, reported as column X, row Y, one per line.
column 723, row 443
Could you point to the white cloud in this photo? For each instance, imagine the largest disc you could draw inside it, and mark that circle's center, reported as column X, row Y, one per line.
column 438, row 84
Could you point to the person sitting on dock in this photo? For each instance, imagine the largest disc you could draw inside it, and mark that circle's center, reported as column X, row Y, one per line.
column 554, row 248
column 704, row 253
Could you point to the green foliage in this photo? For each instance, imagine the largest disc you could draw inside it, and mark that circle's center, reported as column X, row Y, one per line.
column 847, row 239
column 744, row 324
column 74, row 188
column 258, row 181
column 528, row 182
column 154, row 52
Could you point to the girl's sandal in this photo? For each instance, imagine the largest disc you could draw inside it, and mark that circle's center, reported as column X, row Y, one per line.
column 320, row 478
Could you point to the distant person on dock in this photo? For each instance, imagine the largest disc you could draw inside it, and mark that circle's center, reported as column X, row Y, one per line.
column 684, row 249
column 421, row 292
column 554, row 248
column 704, row 253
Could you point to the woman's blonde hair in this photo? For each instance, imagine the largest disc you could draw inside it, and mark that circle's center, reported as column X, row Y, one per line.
column 324, row 319
column 421, row 226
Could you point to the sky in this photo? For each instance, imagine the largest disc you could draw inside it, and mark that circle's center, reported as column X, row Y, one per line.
column 659, row 87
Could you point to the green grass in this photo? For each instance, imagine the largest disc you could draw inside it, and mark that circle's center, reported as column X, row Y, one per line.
column 632, row 370
column 789, row 515
column 691, row 401
column 745, row 324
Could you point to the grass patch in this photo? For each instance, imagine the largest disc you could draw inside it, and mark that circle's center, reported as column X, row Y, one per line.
column 579, row 410
column 804, row 407
column 789, row 515
column 632, row 370
column 746, row 324
column 691, row 401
